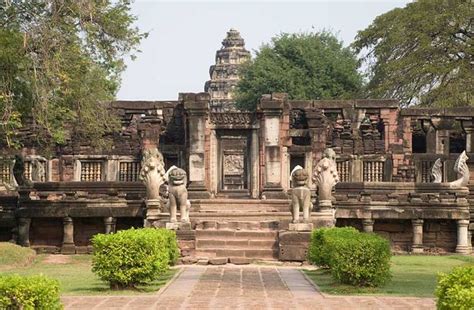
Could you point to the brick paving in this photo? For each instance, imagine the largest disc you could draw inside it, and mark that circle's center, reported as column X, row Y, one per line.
column 243, row 287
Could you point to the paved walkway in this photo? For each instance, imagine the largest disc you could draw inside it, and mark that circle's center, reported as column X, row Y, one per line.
column 243, row 287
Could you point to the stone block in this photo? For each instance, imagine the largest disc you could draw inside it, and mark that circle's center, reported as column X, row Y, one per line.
column 218, row 261
column 240, row 260
column 297, row 252
column 71, row 249
column 202, row 261
column 300, row 226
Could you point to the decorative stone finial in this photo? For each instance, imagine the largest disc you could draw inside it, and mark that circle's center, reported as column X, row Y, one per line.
column 325, row 177
column 461, row 168
column 152, row 172
column 436, row 171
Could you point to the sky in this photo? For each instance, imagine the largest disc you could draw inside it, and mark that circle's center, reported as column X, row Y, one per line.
column 185, row 35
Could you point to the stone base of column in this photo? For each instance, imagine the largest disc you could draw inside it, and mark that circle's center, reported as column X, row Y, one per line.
column 300, row 227
column 68, row 248
column 198, row 191
column 323, row 218
column 178, row 226
column 274, row 193
column 463, row 249
column 417, row 249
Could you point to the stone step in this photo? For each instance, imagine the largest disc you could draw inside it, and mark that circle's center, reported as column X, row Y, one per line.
column 240, row 252
column 236, row 234
column 239, row 205
column 238, row 225
column 232, row 243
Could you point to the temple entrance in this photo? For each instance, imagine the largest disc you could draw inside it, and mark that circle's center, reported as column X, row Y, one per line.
column 234, row 163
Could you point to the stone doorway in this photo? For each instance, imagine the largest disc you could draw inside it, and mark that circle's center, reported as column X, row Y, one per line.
column 234, row 163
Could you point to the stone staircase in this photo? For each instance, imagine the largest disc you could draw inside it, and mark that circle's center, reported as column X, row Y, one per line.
column 250, row 240
column 238, row 230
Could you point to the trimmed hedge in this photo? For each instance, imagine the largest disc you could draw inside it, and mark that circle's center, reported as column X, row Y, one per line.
column 135, row 256
column 317, row 253
column 456, row 289
column 33, row 292
column 355, row 258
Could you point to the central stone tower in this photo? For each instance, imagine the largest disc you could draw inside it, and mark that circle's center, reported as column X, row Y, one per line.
column 224, row 74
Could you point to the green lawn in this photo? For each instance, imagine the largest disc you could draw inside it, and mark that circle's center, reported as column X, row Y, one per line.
column 76, row 278
column 412, row 276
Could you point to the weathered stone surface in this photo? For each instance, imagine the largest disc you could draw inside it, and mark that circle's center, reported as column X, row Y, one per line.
column 240, row 260
column 218, row 260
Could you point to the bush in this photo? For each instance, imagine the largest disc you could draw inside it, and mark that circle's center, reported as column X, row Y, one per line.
column 318, row 254
column 134, row 256
column 33, row 292
column 354, row 258
column 362, row 260
column 456, row 289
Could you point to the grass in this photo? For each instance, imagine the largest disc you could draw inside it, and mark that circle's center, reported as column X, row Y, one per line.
column 14, row 255
column 412, row 276
column 76, row 278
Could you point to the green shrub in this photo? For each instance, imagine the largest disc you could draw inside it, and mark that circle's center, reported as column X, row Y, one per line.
column 33, row 292
column 134, row 256
column 456, row 289
column 354, row 258
column 318, row 254
column 362, row 260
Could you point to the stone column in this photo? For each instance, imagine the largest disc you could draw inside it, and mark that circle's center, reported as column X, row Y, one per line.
column 68, row 246
column 272, row 107
column 255, row 165
column 368, row 225
column 468, row 126
column 442, row 126
column 24, row 231
column 417, row 243
column 463, row 240
column 430, row 133
column 109, row 223
column 197, row 108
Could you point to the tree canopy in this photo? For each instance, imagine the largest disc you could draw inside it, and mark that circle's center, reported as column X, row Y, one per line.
column 422, row 53
column 60, row 65
column 304, row 65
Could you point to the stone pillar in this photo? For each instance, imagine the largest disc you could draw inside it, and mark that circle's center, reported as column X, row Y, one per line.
column 468, row 126
column 24, row 231
column 430, row 133
column 197, row 108
column 417, row 243
column 272, row 107
column 255, row 165
column 463, row 246
column 109, row 223
column 68, row 246
column 368, row 225
column 442, row 126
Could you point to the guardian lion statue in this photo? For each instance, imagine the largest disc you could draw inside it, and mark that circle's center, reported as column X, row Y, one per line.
column 178, row 195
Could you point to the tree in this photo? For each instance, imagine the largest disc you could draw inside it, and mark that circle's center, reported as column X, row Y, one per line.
column 304, row 65
column 422, row 53
column 60, row 65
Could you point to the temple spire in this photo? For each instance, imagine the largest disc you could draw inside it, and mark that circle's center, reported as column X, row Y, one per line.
column 224, row 74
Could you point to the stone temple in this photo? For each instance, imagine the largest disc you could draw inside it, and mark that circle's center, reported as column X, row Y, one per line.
column 399, row 173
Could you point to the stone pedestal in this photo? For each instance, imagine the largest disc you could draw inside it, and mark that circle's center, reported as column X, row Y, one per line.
column 68, row 246
column 368, row 225
column 463, row 247
column 178, row 226
column 154, row 207
column 24, row 231
column 293, row 245
column 417, row 244
column 300, row 226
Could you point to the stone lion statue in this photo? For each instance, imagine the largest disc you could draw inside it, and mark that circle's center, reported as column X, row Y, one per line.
column 325, row 176
column 301, row 196
column 152, row 172
column 178, row 195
